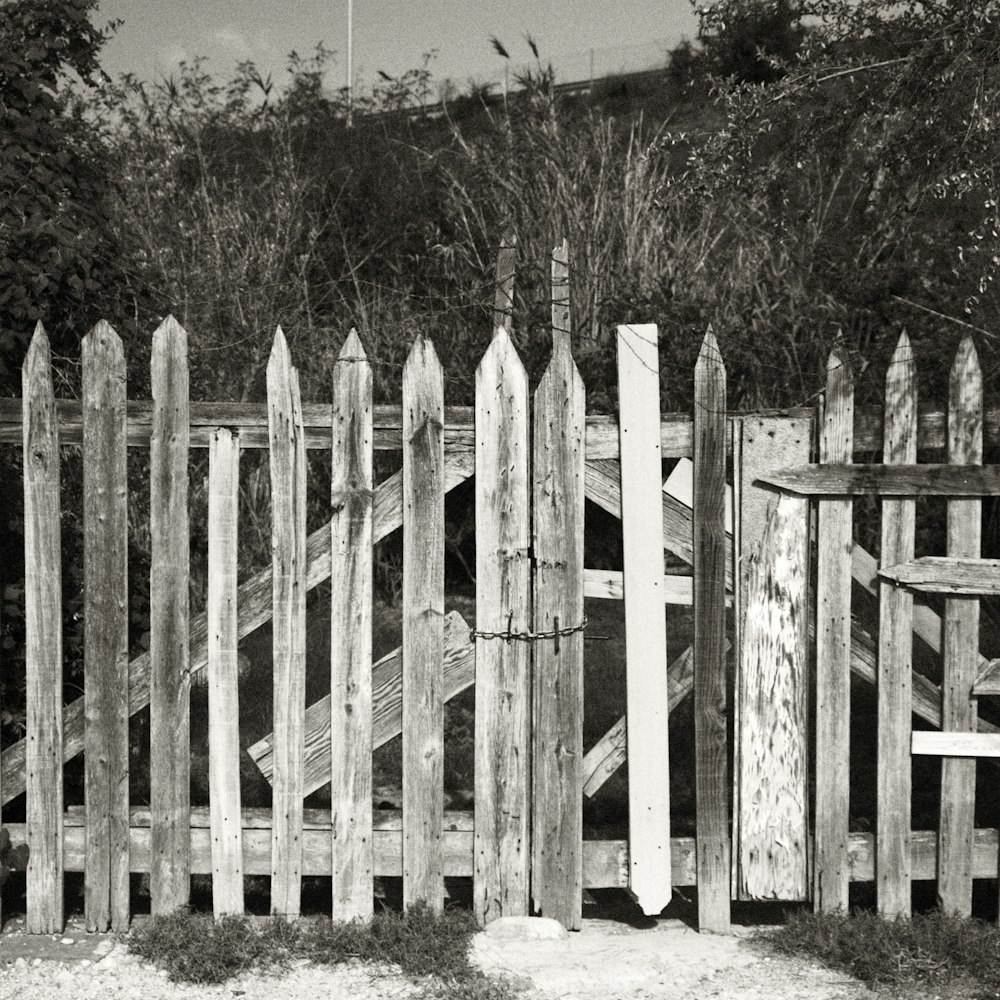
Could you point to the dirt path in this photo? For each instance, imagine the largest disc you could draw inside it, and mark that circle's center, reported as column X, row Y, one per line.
column 607, row 960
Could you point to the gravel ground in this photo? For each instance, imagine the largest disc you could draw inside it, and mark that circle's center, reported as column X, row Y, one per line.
column 605, row 961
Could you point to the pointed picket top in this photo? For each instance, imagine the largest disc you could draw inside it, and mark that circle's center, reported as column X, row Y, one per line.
column 710, row 364
column 38, row 361
column 170, row 331
column 838, row 365
column 560, row 298
column 422, row 355
column 965, row 405
column 501, row 349
column 353, row 349
column 280, row 359
column 900, row 440
column 104, row 337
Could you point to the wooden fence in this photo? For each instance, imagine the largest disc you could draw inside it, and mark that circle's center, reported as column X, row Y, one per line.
column 535, row 461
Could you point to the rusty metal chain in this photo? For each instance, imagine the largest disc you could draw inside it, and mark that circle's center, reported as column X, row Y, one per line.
column 509, row 635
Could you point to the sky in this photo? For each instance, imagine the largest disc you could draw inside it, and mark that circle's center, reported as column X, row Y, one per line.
column 393, row 35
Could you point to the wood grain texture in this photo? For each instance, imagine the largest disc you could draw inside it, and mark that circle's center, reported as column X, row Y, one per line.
column 557, row 752
column 250, row 419
column 223, row 676
column 503, row 595
column 645, row 622
column 903, row 480
column 603, row 487
column 773, row 733
column 961, row 641
column 105, row 616
column 503, row 297
column 561, row 318
column 346, row 723
column 288, row 565
column 605, row 862
column 42, row 642
column 763, row 443
column 254, row 609
column 711, row 696
column 956, row 575
column 423, row 627
column 834, row 531
column 387, row 705
column 895, row 649
column 169, row 682
column 955, row 745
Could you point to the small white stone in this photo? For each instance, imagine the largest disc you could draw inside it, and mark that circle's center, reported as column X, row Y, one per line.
column 526, row 929
column 67, row 940
column 20, row 963
column 85, row 962
column 36, row 962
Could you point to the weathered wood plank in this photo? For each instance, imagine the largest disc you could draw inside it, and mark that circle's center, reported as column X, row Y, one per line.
column 387, row 705
column 558, row 502
column 503, row 681
column 288, row 564
column 223, row 676
column 250, row 419
column 423, row 627
column 834, row 532
column 773, row 732
column 105, row 616
column 169, row 683
column 254, row 610
column 959, row 744
column 348, row 718
column 503, row 297
column 711, row 695
column 43, row 642
column 561, row 335
column 961, row 641
column 603, row 487
column 605, row 862
column 903, row 480
column 762, row 443
column 895, row 649
column 955, row 575
column 609, row 584
column 645, row 622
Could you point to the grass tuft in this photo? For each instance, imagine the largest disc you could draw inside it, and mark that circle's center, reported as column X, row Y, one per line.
column 430, row 950
column 931, row 948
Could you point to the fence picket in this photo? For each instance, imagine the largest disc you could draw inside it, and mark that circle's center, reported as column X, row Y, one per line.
column 557, row 755
column 105, row 559
column 223, row 678
column 423, row 627
column 503, row 296
column 645, row 620
column 348, row 742
column 502, row 792
column 710, row 685
column 895, row 646
column 561, row 317
column 833, row 650
column 961, row 642
column 288, row 547
column 170, row 723
column 255, row 597
column 43, row 641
